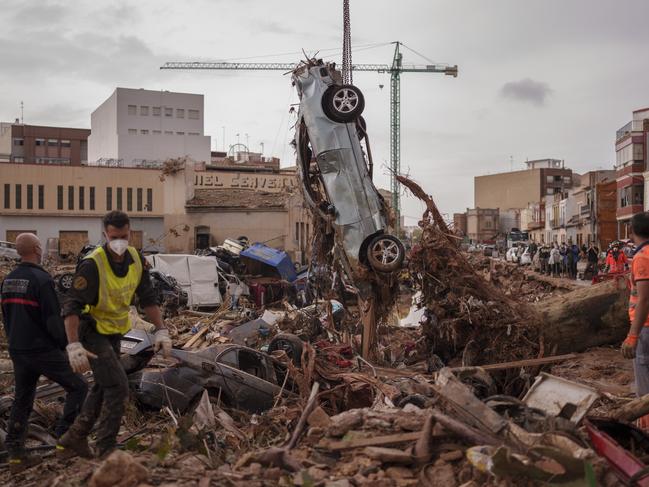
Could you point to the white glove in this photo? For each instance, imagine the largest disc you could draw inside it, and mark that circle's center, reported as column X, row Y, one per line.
column 162, row 341
column 78, row 357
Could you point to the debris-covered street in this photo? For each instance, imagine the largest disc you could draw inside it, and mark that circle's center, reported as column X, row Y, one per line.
column 179, row 308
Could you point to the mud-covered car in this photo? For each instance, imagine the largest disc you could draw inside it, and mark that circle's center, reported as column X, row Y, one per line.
column 335, row 169
column 235, row 375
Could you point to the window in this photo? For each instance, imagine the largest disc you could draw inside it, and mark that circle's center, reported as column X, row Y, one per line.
column 59, row 197
column 109, row 199
column 132, row 110
column 19, row 196
column 149, row 199
column 91, row 202
column 65, row 143
column 169, row 112
column 168, row 132
column 41, row 197
column 30, row 196
column 129, row 199
column 144, row 132
column 631, row 195
column 119, row 198
column 193, row 133
column 70, row 197
column 157, row 132
column 7, row 196
column 156, row 111
column 139, row 199
column 82, row 197
column 132, row 131
column 193, row 114
column 180, row 113
column 19, row 141
column 52, row 142
column 144, row 111
column 180, row 133
column 39, row 141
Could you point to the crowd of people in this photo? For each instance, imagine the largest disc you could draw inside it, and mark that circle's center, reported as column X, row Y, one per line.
column 560, row 260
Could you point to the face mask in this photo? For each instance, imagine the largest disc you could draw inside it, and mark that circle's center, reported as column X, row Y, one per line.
column 118, row 246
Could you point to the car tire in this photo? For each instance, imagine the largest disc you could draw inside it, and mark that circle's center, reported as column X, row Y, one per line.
column 385, row 253
column 343, row 103
column 290, row 344
column 65, row 281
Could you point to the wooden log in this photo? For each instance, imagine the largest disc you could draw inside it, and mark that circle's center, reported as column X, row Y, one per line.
column 633, row 410
column 590, row 317
column 530, row 362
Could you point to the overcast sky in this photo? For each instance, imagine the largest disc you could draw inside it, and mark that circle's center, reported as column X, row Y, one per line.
column 552, row 78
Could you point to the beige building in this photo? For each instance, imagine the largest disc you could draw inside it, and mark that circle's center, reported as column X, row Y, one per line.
column 516, row 189
column 482, row 224
column 64, row 205
column 215, row 203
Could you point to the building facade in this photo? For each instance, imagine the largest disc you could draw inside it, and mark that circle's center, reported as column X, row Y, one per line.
column 516, row 189
column 34, row 144
column 64, row 205
column 482, row 224
column 630, row 164
column 460, row 224
column 139, row 128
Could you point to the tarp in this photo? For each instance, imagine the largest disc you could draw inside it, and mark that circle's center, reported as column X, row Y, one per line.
column 275, row 259
column 197, row 275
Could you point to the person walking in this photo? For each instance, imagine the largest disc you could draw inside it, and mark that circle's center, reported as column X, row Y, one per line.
column 636, row 344
column 34, row 330
column 575, row 260
column 592, row 256
column 96, row 312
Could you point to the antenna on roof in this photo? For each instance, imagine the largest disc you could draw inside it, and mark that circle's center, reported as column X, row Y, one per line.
column 22, row 112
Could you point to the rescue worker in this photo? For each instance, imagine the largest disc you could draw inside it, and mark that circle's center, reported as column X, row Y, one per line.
column 34, row 329
column 616, row 261
column 96, row 312
column 636, row 344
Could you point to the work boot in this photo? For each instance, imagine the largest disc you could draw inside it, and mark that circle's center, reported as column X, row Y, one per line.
column 104, row 453
column 71, row 444
column 20, row 462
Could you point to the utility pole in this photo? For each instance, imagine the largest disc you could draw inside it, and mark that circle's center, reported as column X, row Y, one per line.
column 22, row 113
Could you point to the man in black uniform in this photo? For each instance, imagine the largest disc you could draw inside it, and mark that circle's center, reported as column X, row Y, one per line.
column 34, row 328
column 96, row 312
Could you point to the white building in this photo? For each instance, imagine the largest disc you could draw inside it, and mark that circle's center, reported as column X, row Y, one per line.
column 137, row 127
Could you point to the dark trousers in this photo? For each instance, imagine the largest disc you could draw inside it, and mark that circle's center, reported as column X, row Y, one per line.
column 28, row 367
column 107, row 398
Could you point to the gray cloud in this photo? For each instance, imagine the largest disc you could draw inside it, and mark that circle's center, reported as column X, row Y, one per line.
column 527, row 90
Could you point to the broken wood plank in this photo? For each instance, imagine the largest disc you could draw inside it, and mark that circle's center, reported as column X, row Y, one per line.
column 198, row 336
column 373, row 441
column 530, row 362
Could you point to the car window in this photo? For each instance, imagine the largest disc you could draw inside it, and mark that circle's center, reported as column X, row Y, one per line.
column 252, row 363
column 229, row 358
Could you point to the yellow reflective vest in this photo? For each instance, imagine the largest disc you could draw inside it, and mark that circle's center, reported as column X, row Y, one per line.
column 115, row 293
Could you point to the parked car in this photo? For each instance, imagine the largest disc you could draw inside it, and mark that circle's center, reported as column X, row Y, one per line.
column 8, row 250
column 512, row 255
column 335, row 171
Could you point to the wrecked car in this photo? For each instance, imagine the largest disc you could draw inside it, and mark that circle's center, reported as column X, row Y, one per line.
column 235, row 375
column 336, row 172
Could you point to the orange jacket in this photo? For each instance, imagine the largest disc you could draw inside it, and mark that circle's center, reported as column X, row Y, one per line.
column 616, row 264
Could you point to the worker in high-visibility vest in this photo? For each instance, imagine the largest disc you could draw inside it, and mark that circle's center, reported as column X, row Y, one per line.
column 96, row 312
column 636, row 344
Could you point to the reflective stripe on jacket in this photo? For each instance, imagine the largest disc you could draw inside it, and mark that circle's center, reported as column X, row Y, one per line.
column 115, row 294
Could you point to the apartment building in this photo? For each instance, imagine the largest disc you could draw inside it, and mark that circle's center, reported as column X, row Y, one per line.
column 630, row 165
column 64, row 205
column 516, row 189
column 140, row 128
column 35, row 144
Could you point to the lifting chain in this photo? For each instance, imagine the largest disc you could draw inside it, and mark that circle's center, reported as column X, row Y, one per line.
column 347, row 45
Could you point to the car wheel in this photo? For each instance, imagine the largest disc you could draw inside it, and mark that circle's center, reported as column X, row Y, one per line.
column 290, row 344
column 343, row 103
column 65, row 281
column 385, row 253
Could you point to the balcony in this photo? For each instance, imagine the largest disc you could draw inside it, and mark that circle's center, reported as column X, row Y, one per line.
column 632, row 126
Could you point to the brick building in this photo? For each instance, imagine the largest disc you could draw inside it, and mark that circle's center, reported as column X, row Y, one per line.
column 34, row 144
